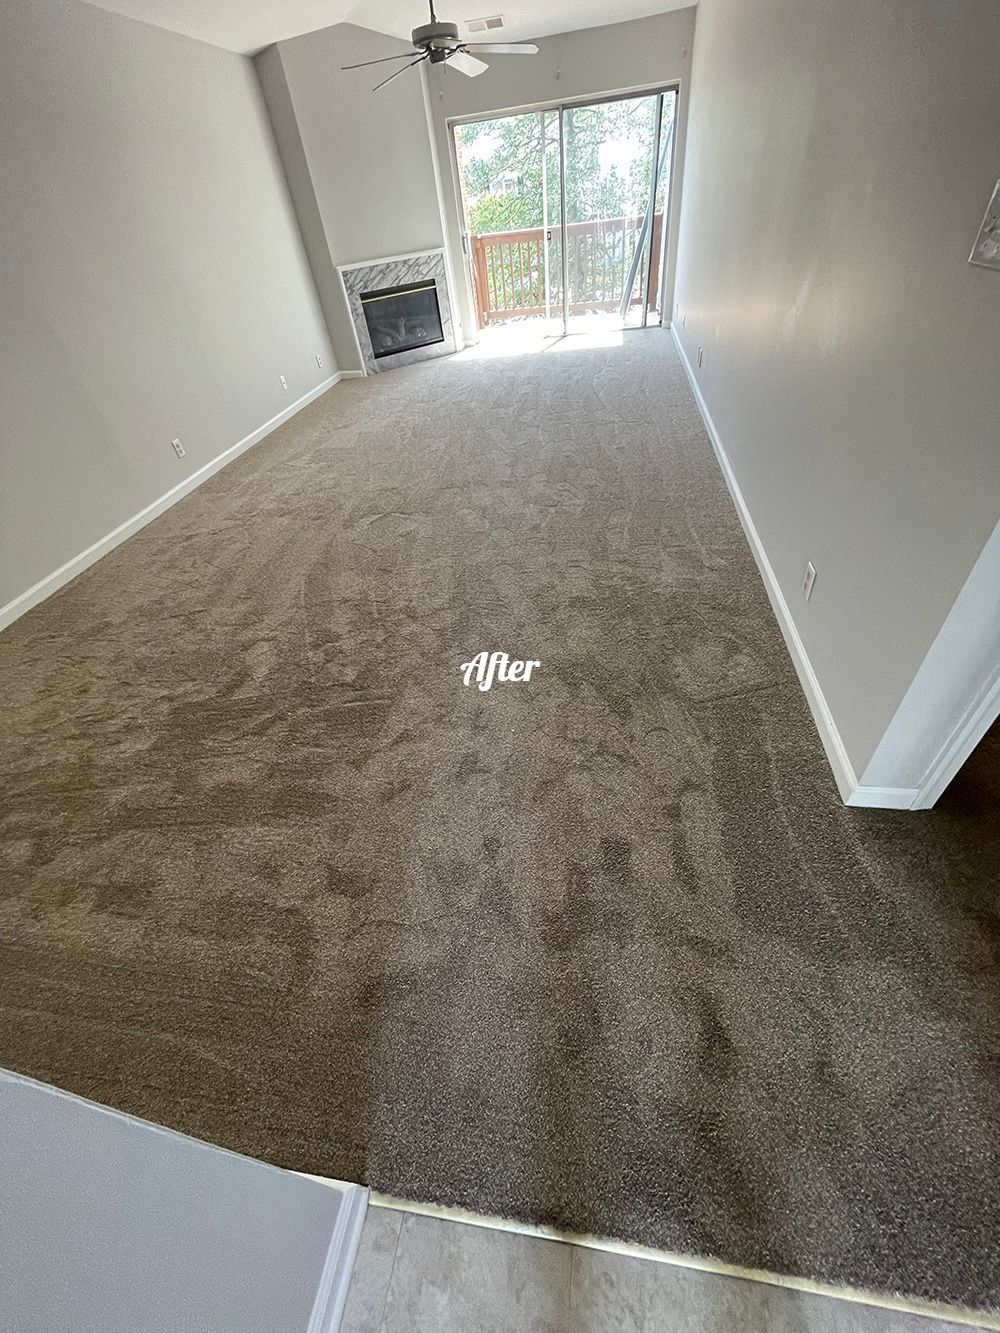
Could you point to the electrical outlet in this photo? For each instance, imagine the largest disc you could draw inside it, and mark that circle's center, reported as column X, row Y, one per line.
column 808, row 579
column 701, row 355
column 284, row 382
column 319, row 361
column 178, row 448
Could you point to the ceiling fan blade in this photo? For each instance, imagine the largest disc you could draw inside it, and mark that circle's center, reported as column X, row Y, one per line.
column 396, row 73
column 382, row 61
column 466, row 64
column 502, row 48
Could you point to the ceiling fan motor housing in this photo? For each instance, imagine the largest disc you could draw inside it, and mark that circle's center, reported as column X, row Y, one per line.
column 436, row 37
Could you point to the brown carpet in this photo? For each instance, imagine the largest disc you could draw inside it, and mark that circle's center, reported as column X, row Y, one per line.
column 602, row 949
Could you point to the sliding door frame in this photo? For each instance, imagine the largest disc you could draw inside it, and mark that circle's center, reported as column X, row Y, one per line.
column 654, row 188
column 563, row 230
column 561, row 106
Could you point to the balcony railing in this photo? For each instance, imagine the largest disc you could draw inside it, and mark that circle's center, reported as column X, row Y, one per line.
column 509, row 268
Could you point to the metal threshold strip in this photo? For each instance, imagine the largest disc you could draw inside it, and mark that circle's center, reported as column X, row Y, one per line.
column 406, row 291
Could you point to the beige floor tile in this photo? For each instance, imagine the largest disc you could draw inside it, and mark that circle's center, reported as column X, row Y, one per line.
column 369, row 1287
column 613, row 1293
column 451, row 1278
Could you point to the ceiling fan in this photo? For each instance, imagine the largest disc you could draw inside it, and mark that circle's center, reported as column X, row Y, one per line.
column 439, row 42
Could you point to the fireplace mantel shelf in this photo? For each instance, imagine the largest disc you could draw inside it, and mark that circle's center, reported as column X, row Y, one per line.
column 390, row 259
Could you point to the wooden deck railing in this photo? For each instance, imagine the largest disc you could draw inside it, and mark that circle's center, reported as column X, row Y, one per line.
column 508, row 268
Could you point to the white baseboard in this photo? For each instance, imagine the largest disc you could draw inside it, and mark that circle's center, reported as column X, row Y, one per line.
column 966, row 735
column 883, row 798
column 353, row 374
column 892, row 798
column 61, row 576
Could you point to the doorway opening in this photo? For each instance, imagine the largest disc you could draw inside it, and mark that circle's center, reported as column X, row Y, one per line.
column 565, row 213
column 976, row 786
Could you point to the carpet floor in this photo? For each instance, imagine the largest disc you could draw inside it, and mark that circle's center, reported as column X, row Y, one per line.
column 601, row 949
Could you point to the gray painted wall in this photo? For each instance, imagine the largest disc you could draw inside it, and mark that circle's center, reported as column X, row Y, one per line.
column 271, row 73
column 152, row 277
column 358, row 163
column 839, row 162
column 113, row 1225
column 640, row 54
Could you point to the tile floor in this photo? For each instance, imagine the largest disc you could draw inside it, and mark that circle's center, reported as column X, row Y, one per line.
column 427, row 1275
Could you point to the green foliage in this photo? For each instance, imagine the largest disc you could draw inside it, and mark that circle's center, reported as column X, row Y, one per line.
column 511, row 166
column 517, row 154
column 506, row 212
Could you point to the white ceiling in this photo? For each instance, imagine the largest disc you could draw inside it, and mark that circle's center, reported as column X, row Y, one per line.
column 248, row 25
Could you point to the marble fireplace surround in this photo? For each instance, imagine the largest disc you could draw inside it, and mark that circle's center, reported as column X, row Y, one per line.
column 396, row 271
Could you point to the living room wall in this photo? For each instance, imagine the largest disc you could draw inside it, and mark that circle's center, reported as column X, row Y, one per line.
column 153, row 280
column 359, row 163
column 839, row 163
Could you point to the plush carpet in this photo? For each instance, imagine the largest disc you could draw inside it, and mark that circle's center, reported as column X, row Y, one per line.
column 601, row 949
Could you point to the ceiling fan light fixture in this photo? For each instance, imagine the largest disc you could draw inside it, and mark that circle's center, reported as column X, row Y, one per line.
column 439, row 42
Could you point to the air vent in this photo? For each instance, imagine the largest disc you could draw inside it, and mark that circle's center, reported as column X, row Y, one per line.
column 485, row 25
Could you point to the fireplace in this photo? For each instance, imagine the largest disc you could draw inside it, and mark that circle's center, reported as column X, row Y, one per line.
column 402, row 318
column 400, row 309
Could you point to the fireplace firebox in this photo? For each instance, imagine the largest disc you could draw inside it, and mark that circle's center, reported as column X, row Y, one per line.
column 400, row 309
column 401, row 318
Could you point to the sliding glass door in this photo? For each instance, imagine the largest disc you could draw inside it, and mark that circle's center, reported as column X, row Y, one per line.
column 552, row 220
column 509, row 173
column 614, row 170
column 564, row 212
